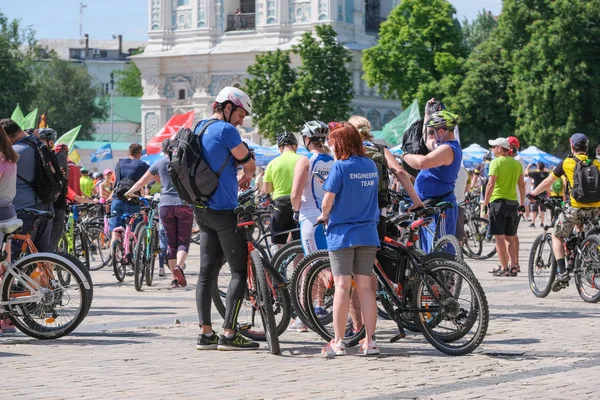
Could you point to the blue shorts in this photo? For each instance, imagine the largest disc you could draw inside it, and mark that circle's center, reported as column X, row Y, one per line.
column 117, row 209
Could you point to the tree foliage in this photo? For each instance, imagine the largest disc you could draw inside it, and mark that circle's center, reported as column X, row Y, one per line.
column 65, row 91
column 272, row 93
column 420, row 53
column 129, row 80
column 478, row 31
column 320, row 88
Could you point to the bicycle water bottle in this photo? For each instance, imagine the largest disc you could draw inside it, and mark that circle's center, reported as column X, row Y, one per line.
column 75, row 213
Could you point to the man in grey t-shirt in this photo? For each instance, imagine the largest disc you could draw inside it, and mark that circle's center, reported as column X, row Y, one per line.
column 26, row 198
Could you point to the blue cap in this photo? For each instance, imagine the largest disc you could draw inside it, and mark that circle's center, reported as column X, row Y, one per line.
column 579, row 140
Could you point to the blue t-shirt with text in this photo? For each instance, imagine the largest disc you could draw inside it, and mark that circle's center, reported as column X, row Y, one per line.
column 355, row 212
column 218, row 140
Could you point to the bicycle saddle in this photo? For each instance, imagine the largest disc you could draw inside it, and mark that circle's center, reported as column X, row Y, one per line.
column 37, row 214
column 444, row 205
column 10, row 226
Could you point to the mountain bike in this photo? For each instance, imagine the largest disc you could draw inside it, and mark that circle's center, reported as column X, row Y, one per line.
column 45, row 295
column 582, row 256
column 98, row 234
column 147, row 247
column 478, row 244
column 74, row 240
column 440, row 296
column 123, row 255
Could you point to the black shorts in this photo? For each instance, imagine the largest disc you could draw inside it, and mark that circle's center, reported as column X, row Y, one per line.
column 282, row 219
column 504, row 217
column 534, row 207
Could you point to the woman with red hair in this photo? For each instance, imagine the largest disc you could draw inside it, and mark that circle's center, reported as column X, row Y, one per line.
column 350, row 206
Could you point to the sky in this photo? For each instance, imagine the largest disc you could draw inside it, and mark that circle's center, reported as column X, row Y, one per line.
column 59, row 19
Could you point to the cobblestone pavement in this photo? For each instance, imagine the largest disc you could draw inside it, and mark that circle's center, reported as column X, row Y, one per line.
column 129, row 347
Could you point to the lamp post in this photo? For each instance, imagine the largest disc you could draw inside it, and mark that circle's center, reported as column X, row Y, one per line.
column 112, row 87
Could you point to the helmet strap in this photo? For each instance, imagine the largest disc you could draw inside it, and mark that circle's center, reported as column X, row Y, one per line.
column 228, row 119
column 438, row 139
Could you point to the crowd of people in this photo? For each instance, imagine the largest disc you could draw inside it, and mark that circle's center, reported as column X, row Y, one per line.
column 343, row 183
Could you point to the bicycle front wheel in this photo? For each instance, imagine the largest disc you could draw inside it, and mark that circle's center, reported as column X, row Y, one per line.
column 140, row 263
column 118, row 260
column 449, row 244
column 152, row 253
column 453, row 318
column 98, row 247
column 60, row 308
column 541, row 266
column 264, row 302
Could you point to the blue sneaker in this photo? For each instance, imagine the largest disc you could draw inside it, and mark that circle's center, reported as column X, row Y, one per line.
column 321, row 312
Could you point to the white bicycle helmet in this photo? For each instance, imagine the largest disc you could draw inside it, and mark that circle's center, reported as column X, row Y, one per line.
column 315, row 129
column 236, row 96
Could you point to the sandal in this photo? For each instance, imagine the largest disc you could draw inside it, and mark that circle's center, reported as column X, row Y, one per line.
column 496, row 270
column 502, row 272
column 511, row 272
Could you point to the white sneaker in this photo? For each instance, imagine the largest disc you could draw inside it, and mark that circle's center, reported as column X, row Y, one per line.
column 369, row 349
column 297, row 326
column 333, row 349
column 161, row 272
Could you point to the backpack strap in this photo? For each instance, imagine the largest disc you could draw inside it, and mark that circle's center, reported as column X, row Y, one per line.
column 201, row 133
column 35, row 149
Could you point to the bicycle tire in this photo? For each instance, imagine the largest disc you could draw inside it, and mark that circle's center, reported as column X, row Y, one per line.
column 97, row 240
column 79, row 264
column 448, row 242
column 297, row 284
column 486, row 251
column 46, row 321
column 588, row 269
column 117, row 260
column 285, row 256
column 84, row 253
column 154, row 242
column 282, row 310
column 265, row 303
column 139, row 265
column 538, row 265
column 452, row 310
column 318, row 324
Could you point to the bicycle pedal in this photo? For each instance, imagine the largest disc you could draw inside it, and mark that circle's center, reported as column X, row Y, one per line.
column 398, row 337
column 244, row 327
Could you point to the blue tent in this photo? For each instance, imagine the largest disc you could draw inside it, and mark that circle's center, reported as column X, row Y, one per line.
column 533, row 155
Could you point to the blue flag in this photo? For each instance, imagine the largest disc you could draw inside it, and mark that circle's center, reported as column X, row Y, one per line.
column 103, row 153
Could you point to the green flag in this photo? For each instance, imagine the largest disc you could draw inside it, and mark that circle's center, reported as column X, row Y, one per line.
column 392, row 132
column 29, row 122
column 17, row 116
column 69, row 137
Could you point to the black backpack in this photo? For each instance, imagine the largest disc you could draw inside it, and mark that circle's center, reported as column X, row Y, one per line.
column 586, row 182
column 377, row 154
column 123, row 187
column 413, row 143
column 49, row 181
column 190, row 174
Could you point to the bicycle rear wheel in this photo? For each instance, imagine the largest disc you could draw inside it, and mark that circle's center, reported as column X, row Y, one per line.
column 542, row 266
column 264, row 299
column 318, row 296
column 459, row 316
column 587, row 270
column 477, row 244
column 152, row 253
column 98, row 246
column 297, row 284
column 61, row 308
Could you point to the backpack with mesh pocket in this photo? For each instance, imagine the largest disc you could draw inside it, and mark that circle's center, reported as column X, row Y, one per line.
column 586, row 182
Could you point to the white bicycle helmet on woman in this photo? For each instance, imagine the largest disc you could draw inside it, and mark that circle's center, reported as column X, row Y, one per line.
column 236, row 97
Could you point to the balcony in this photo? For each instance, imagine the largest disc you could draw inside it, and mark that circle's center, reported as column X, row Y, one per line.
column 241, row 22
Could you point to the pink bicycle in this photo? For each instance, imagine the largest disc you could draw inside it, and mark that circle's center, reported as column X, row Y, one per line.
column 124, row 256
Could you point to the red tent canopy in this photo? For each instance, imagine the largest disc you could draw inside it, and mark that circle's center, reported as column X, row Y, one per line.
column 171, row 128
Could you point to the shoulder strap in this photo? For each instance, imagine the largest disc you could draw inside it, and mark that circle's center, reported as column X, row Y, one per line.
column 35, row 149
column 201, row 133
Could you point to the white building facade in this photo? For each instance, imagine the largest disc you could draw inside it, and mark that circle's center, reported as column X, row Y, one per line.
column 197, row 47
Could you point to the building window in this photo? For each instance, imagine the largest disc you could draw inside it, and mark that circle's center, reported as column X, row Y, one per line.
column 183, row 3
column 181, row 94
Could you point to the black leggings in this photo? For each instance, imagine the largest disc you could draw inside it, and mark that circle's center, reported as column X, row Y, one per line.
column 218, row 238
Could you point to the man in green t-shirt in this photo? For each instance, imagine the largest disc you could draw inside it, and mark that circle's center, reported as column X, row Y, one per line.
column 502, row 206
column 86, row 183
column 278, row 181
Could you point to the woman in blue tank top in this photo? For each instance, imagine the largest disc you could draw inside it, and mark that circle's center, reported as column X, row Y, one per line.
column 439, row 169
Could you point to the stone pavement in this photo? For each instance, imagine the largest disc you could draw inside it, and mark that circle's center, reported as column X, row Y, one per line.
column 129, row 347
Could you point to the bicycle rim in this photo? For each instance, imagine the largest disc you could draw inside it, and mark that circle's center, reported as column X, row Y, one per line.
column 265, row 302
column 587, row 276
column 541, row 268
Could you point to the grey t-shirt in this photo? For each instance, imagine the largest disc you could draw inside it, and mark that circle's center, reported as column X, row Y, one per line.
column 26, row 169
column 168, row 194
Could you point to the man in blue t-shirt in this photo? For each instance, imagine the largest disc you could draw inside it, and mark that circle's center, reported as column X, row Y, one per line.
column 127, row 168
column 219, row 236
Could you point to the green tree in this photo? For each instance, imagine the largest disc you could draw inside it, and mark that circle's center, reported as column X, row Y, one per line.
column 420, row 52
column 555, row 71
column 482, row 101
column 16, row 83
column 478, row 31
column 271, row 91
column 65, row 90
column 129, row 80
column 320, row 88
column 324, row 82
